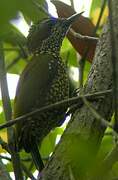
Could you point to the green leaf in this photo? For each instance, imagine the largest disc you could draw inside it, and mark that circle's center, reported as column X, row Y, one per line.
column 31, row 10
column 2, row 117
column 8, row 10
column 26, row 159
column 68, row 53
column 94, row 5
column 14, row 59
column 115, row 171
column 48, row 144
column 10, row 34
column 86, row 70
column 18, row 67
column 106, row 146
column 9, row 167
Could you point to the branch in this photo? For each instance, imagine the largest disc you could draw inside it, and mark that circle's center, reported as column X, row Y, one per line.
column 72, row 3
column 11, row 64
column 99, row 117
column 26, row 171
column 11, row 49
column 4, row 145
column 75, row 100
column 8, row 114
column 88, row 38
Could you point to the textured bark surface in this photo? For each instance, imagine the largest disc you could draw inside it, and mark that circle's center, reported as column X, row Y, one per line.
column 84, row 131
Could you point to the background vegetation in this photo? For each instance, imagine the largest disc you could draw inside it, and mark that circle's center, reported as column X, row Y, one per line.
column 15, row 55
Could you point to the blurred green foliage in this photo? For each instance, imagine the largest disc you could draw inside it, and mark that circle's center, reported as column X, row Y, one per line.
column 17, row 58
column 95, row 4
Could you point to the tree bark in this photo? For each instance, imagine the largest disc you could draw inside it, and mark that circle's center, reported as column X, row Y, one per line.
column 74, row 155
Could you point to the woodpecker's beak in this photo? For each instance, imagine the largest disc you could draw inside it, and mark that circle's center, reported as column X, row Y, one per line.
column 72, row 18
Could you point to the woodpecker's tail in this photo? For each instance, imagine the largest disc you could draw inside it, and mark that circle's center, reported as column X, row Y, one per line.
column 36, row 156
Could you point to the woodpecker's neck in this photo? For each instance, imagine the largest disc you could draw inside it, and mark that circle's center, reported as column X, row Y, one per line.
column 52, row 44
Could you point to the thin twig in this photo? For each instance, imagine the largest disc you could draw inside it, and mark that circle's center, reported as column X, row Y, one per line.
column 22, row 54
column 67, row 102
column 11, row 49
column 4, row 145
column 4, row 90
column 114, row 60
column 22, row 159
column 99, row 117
column 71, row 173
column 100, row 15
column 10, row 65
column 23, row 51
column 5, row 157
column 79, row 36
column 72, row 3
column 27, row 172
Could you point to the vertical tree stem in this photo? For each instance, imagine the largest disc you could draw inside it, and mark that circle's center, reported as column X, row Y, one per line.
column 8, row 114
